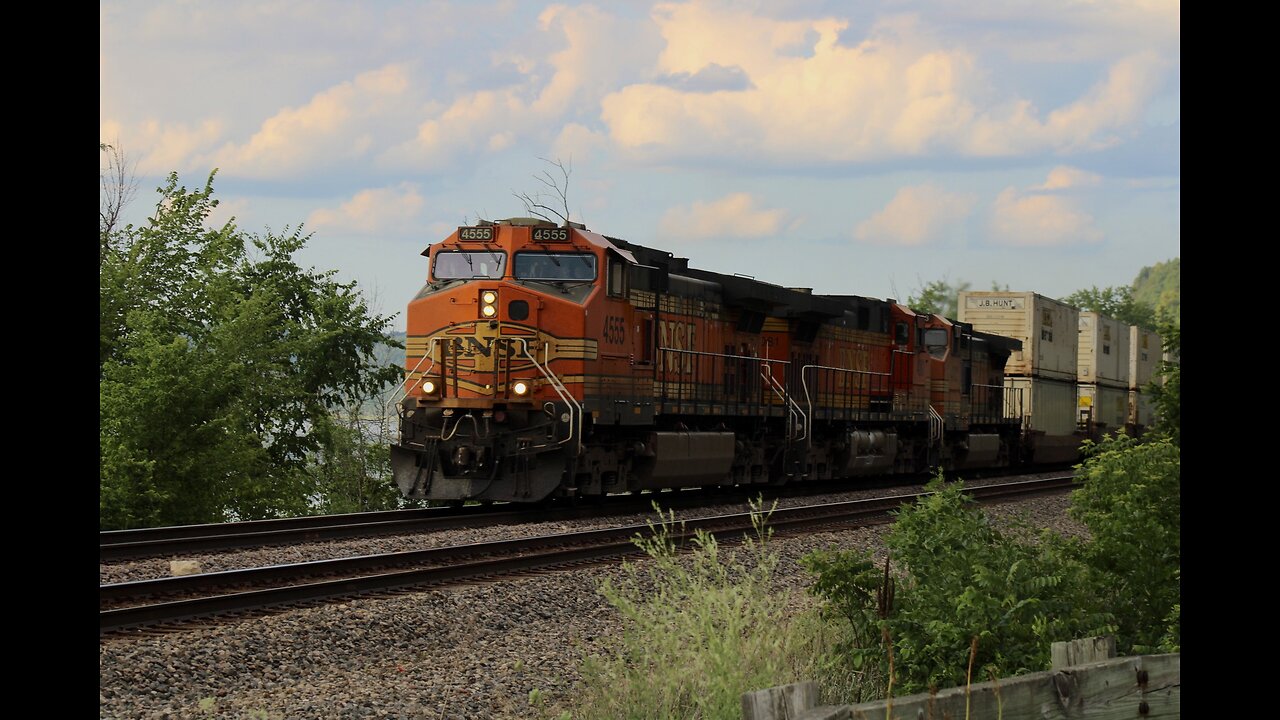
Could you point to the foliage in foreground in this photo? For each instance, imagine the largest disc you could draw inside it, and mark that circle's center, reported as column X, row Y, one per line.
column 967, row 601
column 221, row 361
column 700, row 630
column 963, row 595
column 1131, row 502
column 1166, row 386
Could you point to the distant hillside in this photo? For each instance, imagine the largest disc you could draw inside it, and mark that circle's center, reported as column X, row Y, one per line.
column 385, row 355
column 1160, row 286
column 390, row 355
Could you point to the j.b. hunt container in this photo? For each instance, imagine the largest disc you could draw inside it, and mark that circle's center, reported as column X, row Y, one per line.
column 1048, row 330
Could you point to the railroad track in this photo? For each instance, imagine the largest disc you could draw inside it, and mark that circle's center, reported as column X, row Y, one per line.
column 117, row 545
column 180, row 599
column 181, row 540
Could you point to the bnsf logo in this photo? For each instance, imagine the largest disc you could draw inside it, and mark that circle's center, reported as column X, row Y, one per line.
column 677, row 336
column 472, row 346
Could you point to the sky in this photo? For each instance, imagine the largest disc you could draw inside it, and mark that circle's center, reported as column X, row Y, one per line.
column 851, row 147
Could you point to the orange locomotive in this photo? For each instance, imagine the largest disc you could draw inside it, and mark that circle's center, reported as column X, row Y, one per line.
column 548, row 360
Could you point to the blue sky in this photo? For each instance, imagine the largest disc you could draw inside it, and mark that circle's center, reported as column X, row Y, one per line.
column 851, row 147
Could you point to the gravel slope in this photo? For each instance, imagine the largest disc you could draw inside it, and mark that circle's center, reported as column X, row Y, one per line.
column 466, row 652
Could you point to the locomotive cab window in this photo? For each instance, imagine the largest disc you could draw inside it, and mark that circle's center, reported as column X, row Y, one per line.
column 554, row 266
column 901, row 334
column 617, row 277
column 936, row 342
column 454, row 265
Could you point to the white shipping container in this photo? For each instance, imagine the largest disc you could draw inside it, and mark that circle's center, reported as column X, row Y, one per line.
column 1104, row 351
column 1145, row 352
column 1048, row 329
column 1108, row 406
column 1142, row 409
column 1046, row 405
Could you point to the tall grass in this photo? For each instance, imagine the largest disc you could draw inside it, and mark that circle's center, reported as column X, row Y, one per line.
column 700, row 629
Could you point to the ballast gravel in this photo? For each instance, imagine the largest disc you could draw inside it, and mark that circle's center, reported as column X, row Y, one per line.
column 152, row 568
column 474, row 651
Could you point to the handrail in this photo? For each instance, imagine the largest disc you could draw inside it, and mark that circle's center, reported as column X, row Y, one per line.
column 724, row 355
column 1010, row 400
column 431, row 343
column 562, row 391
column 936, row 426
column 794, row 411
column 804, row 379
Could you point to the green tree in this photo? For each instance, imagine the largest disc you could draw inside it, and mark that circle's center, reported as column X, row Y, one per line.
column 1166, row 386
column 938, row 297
column 1117, row 303
column 220, row 361
column 1160, row 286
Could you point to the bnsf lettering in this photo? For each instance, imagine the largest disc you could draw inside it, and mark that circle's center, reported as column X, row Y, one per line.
column 473, row 346
column 855, row 358
column 677, row 336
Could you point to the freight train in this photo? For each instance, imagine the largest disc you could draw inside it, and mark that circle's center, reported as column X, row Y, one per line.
column 546, row 360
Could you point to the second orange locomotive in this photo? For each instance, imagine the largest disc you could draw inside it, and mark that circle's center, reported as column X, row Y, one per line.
column 549, row 360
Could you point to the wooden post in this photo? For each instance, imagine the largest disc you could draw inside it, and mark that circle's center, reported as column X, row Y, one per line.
column 1082, row 652
column 780, row 703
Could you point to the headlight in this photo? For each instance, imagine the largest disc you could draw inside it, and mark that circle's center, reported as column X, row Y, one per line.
column 489, row 297
column 428, row 387
column 520, row 387
column 488, row 303
column 488, row 311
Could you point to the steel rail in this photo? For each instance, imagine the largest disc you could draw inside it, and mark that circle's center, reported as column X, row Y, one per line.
column 470, row 562
column 119, row 545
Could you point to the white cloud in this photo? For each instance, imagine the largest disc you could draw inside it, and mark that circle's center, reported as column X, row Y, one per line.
column 917, row 215
column 734, row 215
column 1068, row 32
column 597, row 53
column 382, row 211
column 1040, row 219
column 1064, row 177
column 900, row 92
column 1089, row 123
column 160, row 148
column 579, row 143
column 330, row 129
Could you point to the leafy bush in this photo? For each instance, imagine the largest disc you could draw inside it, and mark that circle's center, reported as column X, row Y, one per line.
column 857, row 592
column 1166, row 386
column 961, row 581
column 965, row 594
column 964, row 579
column 1131, row 502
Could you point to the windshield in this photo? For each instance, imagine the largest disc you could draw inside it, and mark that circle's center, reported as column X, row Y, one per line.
column 454, row 265
column 555, row 266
